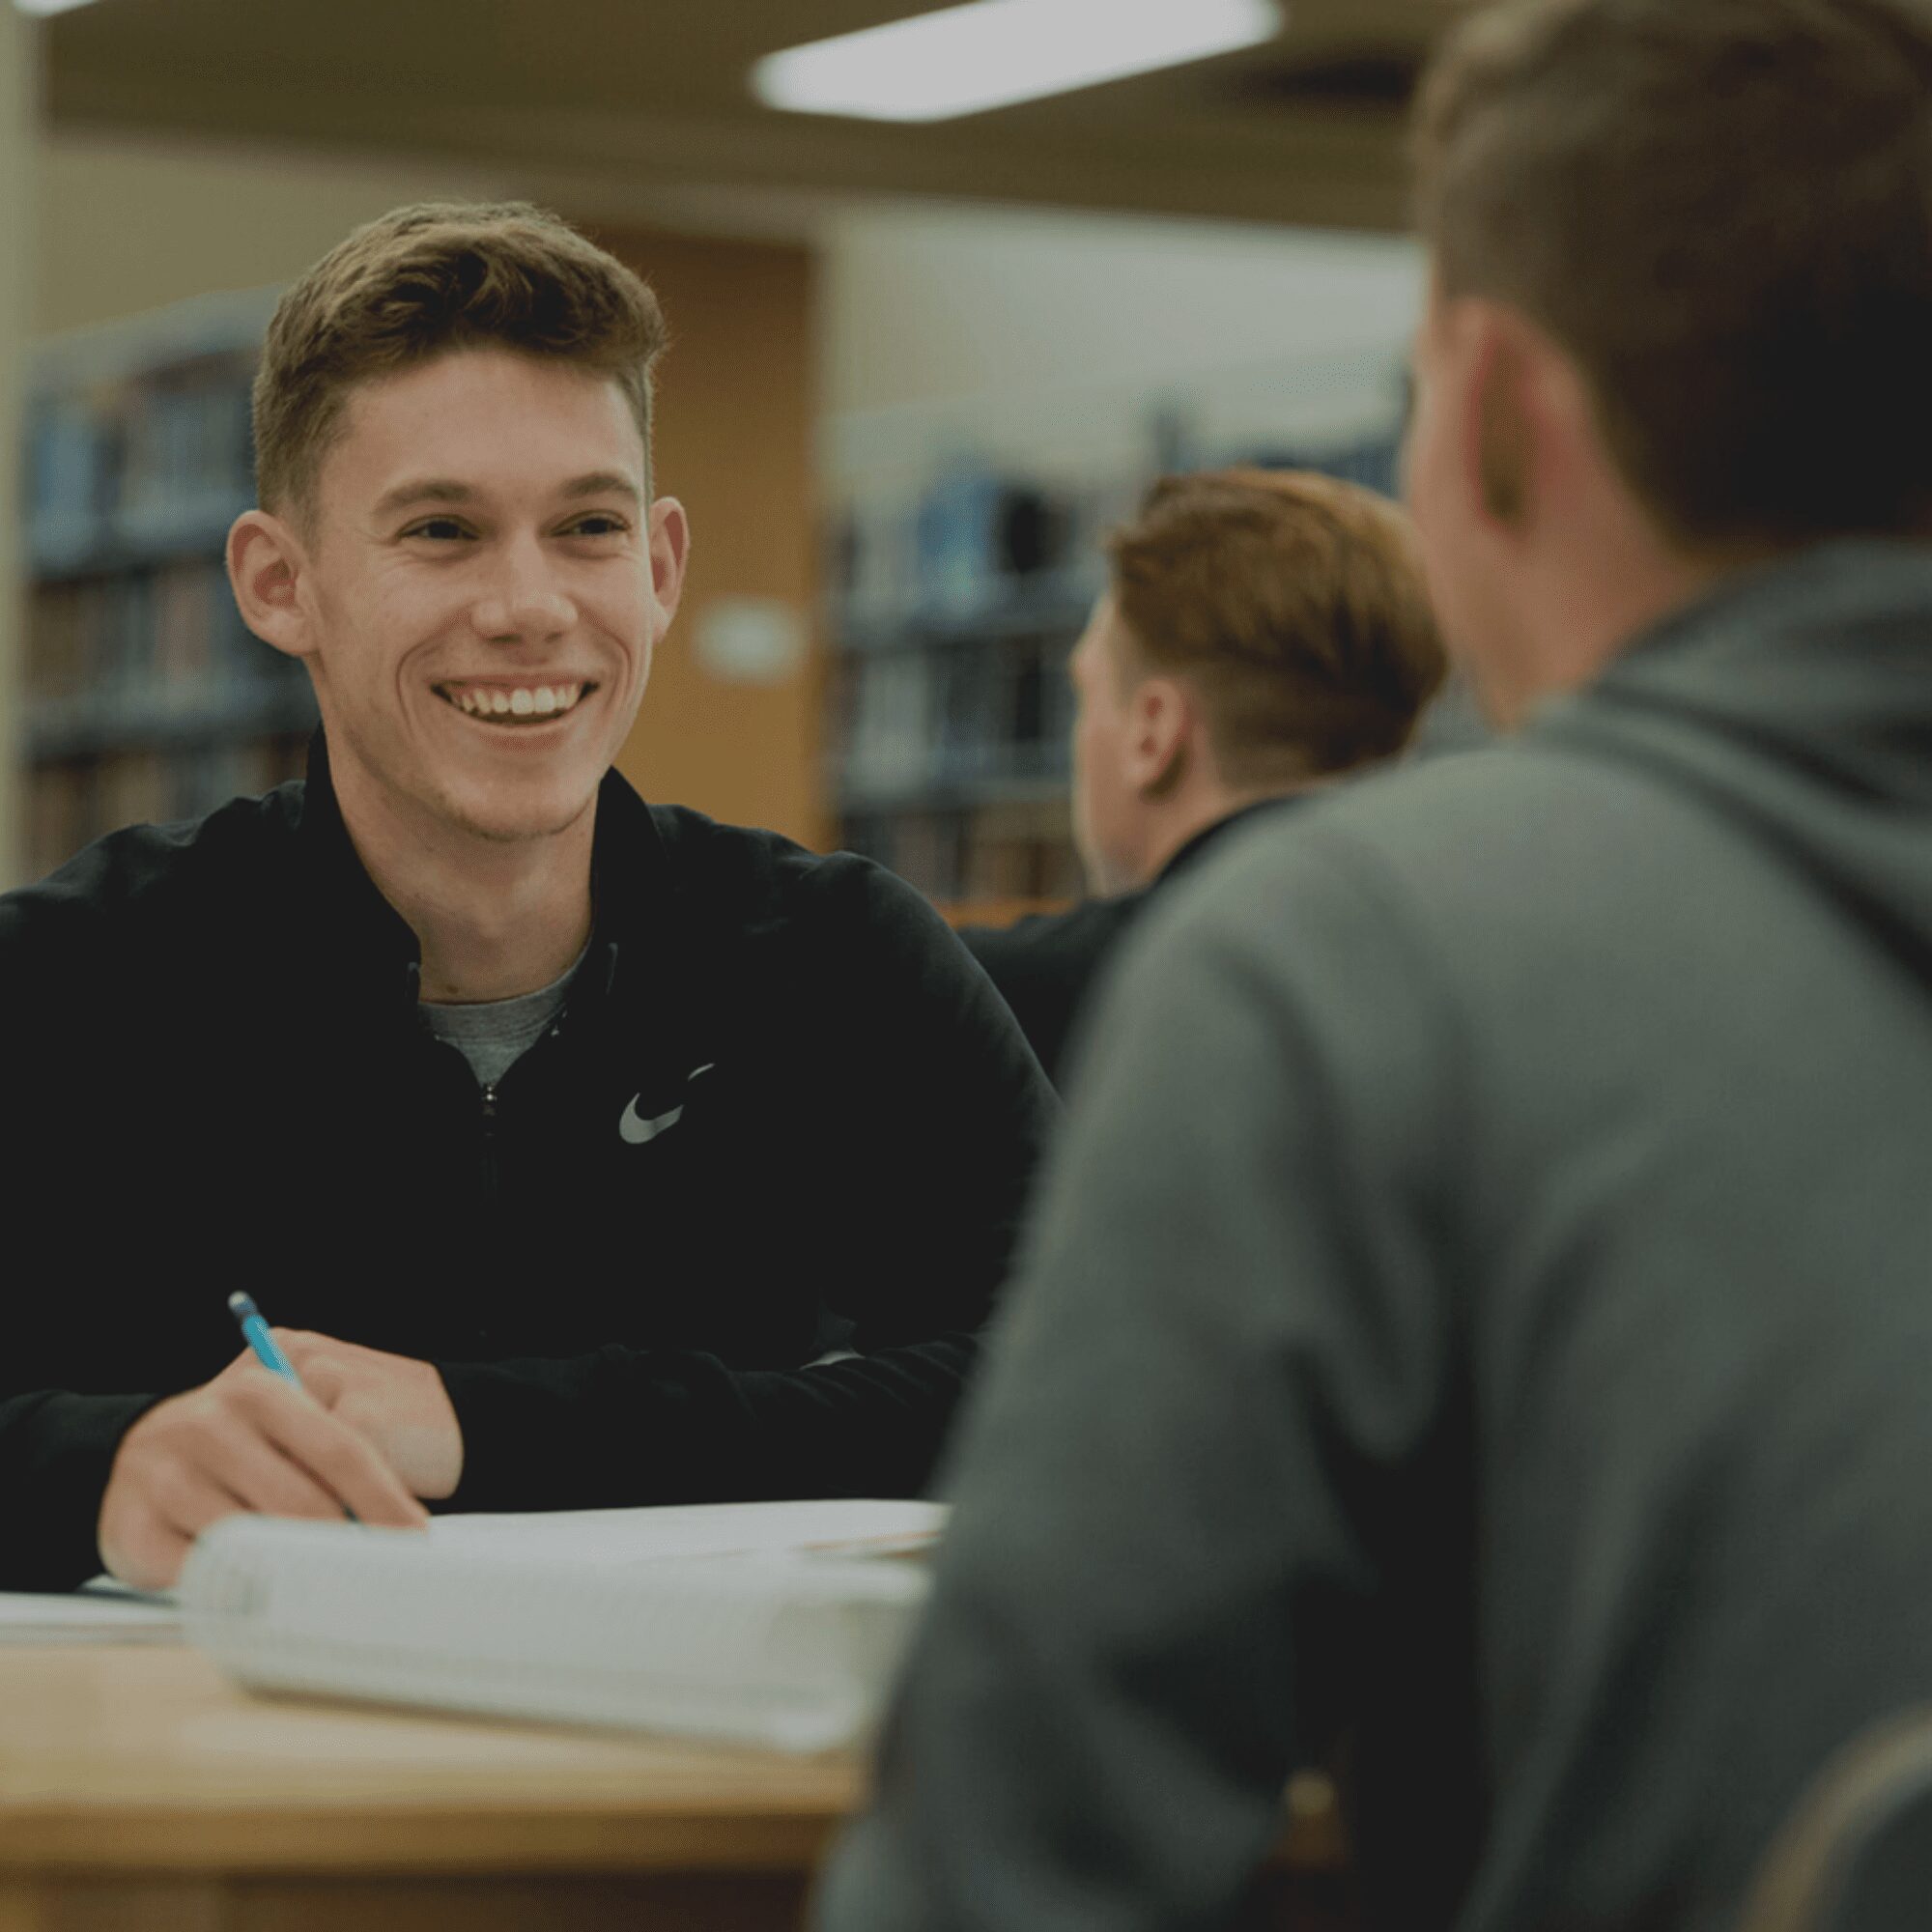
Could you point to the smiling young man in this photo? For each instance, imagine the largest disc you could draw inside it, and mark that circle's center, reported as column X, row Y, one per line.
column 593, row 1152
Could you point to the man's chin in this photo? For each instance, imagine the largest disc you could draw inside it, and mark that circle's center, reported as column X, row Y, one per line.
column 520, row 821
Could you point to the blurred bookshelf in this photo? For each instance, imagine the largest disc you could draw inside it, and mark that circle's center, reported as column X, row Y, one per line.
column 967, row 550
column 145, row 698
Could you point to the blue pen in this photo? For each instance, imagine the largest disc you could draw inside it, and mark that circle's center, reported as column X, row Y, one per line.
column 256, row 1332
column 268, row 1350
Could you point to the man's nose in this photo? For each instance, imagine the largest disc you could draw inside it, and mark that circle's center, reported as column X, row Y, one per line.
column 523, row 601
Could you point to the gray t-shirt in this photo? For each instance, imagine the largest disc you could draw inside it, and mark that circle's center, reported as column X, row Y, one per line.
column 493, row 1035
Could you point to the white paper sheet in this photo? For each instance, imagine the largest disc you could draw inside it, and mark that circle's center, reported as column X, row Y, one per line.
column 842, row 1527
column 88, row 1616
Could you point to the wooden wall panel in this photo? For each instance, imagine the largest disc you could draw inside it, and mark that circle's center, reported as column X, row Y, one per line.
column 735, row 415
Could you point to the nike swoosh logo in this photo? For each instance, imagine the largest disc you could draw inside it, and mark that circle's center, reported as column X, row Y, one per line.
column 638, row 1132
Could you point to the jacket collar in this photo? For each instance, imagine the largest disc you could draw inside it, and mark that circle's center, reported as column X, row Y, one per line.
column 368, row 951
column 1210, row 835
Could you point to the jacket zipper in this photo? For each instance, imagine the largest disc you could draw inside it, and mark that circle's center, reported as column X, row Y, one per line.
column 490, row 1177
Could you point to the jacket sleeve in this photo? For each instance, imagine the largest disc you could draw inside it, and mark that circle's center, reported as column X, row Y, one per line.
column 906, row 1192
column 56, row 1450
column 56, row 1446
column 1045, row 967
column 1175, row 1492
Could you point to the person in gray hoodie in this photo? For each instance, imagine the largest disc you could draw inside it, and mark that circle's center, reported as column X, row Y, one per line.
column 1481, row 1312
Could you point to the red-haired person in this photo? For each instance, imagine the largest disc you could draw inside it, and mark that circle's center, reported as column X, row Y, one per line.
column 1264, row 634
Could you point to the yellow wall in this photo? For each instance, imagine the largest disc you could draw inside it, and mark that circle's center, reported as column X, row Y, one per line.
column 734, row 444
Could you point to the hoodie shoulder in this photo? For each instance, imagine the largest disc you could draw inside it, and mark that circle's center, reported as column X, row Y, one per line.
column 1531, row 814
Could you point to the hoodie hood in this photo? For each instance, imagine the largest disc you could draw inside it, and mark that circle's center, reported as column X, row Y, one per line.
column 1796, row 700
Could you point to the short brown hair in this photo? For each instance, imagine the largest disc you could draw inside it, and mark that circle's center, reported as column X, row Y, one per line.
column 1294, row 605
column 426, row 279
column 1722, row 210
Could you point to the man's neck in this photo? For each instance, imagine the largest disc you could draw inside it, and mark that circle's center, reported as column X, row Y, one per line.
column 1190, row 819
column 1585, row 618
column 493, row 918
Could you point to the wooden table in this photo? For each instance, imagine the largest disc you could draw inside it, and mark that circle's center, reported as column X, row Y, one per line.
column 141, row 1792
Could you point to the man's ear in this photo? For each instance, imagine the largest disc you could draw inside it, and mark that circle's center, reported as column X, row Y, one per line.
column 265, row 564
column 1497, row 449
column 670, row 549
column 1521, row 423
column 1161, row 727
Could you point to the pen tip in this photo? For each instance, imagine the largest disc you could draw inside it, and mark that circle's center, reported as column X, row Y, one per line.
column 242, row 1304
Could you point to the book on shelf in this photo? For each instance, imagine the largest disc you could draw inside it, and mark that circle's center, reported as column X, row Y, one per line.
column 140, row 467
column 145, row 696
column 185, row 468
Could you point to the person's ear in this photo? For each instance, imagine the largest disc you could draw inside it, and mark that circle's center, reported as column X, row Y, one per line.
column 1495, row 442
column 670, row 549
column 266, row 561
column 1161, row 721
column 1527, row 410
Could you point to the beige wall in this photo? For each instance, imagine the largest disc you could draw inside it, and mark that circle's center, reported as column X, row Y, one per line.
column 926, row 303
column 129, row 225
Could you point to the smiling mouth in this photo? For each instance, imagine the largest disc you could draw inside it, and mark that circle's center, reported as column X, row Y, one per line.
column 515, row 706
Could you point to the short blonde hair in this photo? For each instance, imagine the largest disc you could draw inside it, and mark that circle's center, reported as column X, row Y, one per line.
column 1294, row 605
column 426, row 279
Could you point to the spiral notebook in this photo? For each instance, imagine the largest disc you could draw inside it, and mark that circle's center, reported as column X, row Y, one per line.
column 771, row 1624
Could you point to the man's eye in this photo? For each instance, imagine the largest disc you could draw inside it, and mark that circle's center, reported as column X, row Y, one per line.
column 441, row 530
column 598, row 524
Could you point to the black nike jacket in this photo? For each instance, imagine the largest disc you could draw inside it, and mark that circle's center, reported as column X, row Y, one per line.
column 217, row 1077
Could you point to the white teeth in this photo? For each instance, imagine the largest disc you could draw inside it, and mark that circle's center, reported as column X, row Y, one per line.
column 539, row 701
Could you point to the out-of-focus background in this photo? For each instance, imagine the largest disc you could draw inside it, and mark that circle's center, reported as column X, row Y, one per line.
column 918, row 371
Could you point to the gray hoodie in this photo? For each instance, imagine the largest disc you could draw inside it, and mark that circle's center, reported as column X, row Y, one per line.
column 1480, row 1314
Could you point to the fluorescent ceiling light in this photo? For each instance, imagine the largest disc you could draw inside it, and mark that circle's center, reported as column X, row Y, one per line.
column 990, row 53
column 46, row 7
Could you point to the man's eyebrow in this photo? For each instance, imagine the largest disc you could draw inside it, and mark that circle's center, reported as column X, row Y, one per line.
column 446, row 489
column 423, row 490
column 603, row 483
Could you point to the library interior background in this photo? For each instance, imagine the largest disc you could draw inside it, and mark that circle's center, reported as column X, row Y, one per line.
column 919, row 370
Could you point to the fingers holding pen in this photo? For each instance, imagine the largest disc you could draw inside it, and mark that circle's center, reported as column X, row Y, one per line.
column 332, row 1453
column 249, row 1441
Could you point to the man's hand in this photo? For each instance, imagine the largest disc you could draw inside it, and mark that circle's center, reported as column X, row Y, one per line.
column 245, row 1441
column 397, row 1401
